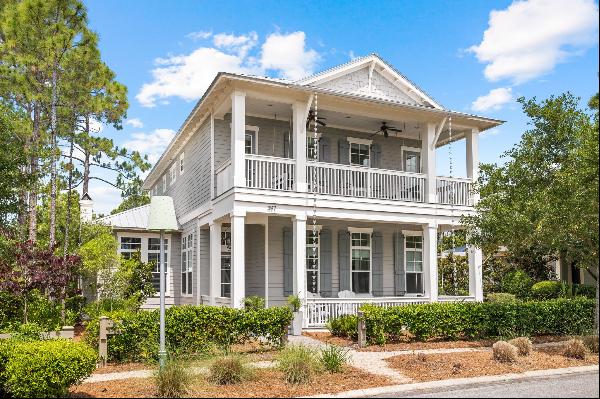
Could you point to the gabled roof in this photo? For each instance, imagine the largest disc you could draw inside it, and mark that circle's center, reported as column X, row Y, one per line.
column 135, row 218
column 344, row 79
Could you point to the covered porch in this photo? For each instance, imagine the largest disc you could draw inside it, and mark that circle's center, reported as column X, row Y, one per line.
column 334, row 266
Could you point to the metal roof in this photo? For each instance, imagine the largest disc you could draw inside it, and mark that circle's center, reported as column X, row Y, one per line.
column 136, row 218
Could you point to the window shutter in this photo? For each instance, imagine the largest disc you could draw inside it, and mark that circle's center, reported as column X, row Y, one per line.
column 399, row 272
column 288, row 143
column 376, row 156
column 377, row 264
column 324, row 155
column 325, row 266
column 344, row 259
column 288, row 262
column 344, row 152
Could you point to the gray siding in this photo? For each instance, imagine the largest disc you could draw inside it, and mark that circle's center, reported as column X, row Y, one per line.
column 192, row 188
column 222, row 140
column 204, row 261
column 255, row 260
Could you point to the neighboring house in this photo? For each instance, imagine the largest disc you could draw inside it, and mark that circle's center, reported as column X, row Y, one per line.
column 243, row 171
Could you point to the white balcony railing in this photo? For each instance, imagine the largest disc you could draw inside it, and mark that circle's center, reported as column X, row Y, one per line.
column 270, row 173
column 357, row 181
column 223, row 178
column 320, row 310
column 453, row 191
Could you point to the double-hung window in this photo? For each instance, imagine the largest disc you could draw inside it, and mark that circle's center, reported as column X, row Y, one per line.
column 360, row 154
column 130, row 246
column 313, row 252
column 173, row 173
column 182, row 163
column 164, row 183
column 187, row 250
column 411, row 159
column 154, row 257
column 226, row 263
column 413, row 255
column 360, row 251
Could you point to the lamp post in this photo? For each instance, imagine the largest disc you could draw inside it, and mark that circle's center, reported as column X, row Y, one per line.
column 162, row 218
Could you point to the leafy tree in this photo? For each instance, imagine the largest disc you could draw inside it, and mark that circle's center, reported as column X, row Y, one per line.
column 133, row 197
column 544, row 199
column 99, row 257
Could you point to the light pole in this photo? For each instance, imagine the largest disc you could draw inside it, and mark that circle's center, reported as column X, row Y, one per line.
column 162, row 218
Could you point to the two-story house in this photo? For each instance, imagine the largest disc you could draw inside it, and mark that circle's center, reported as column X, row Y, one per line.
column 340, row 215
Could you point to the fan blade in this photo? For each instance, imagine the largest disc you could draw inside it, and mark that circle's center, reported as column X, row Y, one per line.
column 393, row 129
column 375, row 133
column 320, row 122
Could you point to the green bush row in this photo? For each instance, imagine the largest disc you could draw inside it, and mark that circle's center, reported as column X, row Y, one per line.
column 43, row 369
column 475, row 320
column 189, row 330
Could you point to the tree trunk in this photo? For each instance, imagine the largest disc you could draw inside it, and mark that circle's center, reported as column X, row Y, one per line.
column 596, row 314
column 53, row 161
column 86, row 172
column 33, row 170
column 69, row 190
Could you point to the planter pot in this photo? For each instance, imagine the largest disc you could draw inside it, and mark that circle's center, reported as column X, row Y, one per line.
column 297, row 323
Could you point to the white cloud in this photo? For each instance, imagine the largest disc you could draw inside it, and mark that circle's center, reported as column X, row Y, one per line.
column 490, row 133
column 529, row 38
column 105, row 197
column 187, row 76
column 96, row 126
column 494, row 100
column 152, row 144
column 200, row 35
column 135, row 122
column 288, row 55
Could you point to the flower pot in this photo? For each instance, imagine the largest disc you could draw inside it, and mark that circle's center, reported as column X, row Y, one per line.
column 297, row 323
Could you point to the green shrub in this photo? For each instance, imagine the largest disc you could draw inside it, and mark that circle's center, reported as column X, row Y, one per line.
column 173, row 380
column 345, row 326
column 588, row 291
column 470, row 320
column 298, row 363
column 27, row 332
column 40, row 310
column 517, row 283
column 189, row 330
column 501, row 297
column 547, row 290
column 254, row 302
column 294, row 302
column 44, row 368
column 333, row 358
column 228, row 370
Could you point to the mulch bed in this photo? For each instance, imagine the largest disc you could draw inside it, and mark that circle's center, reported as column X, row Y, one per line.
column 265, row 383
column 433, row 367
column 414, row 345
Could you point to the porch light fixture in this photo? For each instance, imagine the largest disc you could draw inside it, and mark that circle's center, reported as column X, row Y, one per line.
column 162, row 218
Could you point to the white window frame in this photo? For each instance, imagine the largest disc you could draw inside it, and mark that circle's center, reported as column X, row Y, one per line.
column 187, row 268
column 318, row 269
column 173, row 174
column 254, row 129
column 369, row 231
column 182, row 163
column 144, row 253
column 413, row 233
column 404, row 149
column 164, row 183
column 357, row 141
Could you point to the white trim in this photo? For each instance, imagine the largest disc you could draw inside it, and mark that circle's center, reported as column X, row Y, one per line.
column 188, row 250
column 422, row 272
column 360, row 230
column 173, row 173
column 412, row 233
column 164, row 183
column 411, row 149
column 357, row 140
column 182, row 163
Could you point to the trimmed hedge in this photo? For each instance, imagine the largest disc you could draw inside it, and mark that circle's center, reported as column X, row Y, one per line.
column 43, row 369
column 548, row 290
column 189, row 330
column 500, row 297
column 345, row 326
column 477, row 320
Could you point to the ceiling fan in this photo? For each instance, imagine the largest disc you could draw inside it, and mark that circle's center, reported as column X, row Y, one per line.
column 311, row 118
column 385, row 129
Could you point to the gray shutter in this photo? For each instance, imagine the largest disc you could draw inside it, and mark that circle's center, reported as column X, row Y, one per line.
column 377, row 264
column 376, row 156
column 324, row 155
column 344, row 259
column 288, row 262
column 399, row 272
column 326, row 266
column 344, row 152
column 288, row 143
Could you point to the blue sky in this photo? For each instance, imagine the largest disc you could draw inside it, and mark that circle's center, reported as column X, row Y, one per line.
column 465, row 57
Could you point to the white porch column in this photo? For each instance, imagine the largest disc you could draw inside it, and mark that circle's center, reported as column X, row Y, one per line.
column 299, row 233
column 428, row 162
column 475, row 273
column 472, row 143
column 299, row 111
column 215, row 262
column 238, row 250
column 430, row 264
column 238, row 138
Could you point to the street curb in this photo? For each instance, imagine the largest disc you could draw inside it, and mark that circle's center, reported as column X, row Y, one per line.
column 457, row 382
